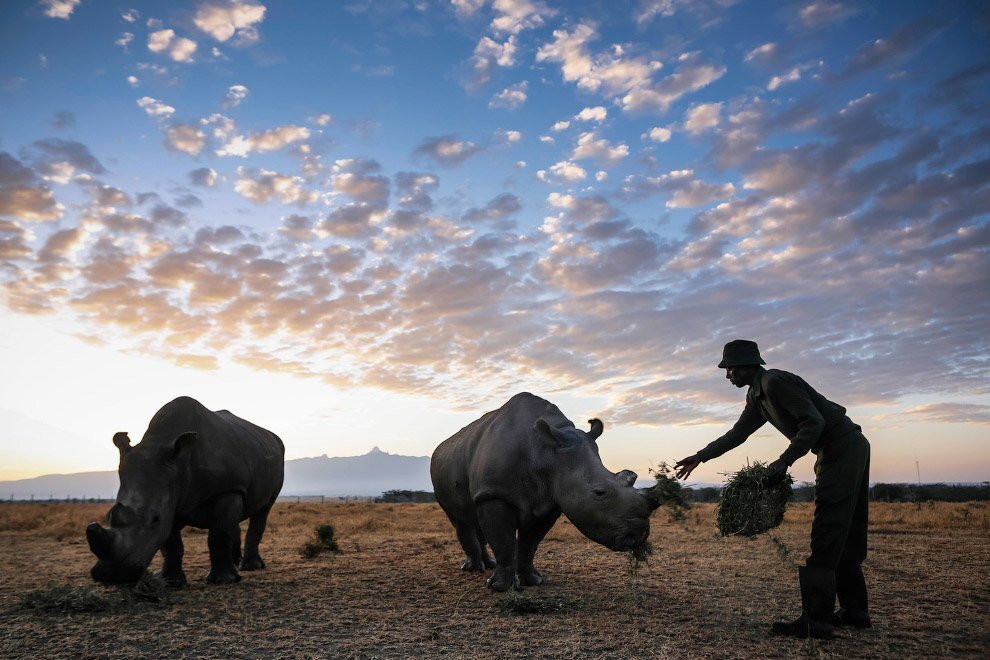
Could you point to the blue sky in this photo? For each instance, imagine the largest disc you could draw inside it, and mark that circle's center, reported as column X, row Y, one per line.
column 366, row 223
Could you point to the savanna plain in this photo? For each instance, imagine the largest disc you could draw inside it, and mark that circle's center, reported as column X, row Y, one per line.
column 395, row 589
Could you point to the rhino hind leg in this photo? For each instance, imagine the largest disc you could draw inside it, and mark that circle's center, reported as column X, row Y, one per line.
column 468, row 533
column 172, row 552
column 252, row 560
column 224, row 533
column 499, row 522
column 530, row 536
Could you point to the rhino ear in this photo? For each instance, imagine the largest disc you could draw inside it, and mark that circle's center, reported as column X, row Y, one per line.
column 597, row 426
column 182, row 442
column 122, row 442
column 549, row 433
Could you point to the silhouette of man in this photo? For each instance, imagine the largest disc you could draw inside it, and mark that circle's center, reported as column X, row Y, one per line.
column 842, row 470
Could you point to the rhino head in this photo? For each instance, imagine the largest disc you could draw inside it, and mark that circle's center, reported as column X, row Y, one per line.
column 605, row 506
column 142, row 518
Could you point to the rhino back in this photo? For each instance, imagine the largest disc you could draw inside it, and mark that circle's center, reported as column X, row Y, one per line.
column 230, row 454
column 497, row 457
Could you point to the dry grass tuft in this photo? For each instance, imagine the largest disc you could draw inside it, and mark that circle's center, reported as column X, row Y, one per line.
column 324, row 542
column 749, row 505
column 538, row 602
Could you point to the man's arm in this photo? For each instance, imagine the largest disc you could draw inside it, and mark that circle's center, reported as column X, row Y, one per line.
column 750, row 420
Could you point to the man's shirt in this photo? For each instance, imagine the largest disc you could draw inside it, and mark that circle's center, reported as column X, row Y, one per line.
column 794, row 408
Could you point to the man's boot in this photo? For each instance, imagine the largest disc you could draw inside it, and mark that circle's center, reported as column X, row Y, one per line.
column 850, row 587
column 817, row 602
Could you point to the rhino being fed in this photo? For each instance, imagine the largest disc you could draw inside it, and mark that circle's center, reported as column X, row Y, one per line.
column 505, row 479
column 192, row 467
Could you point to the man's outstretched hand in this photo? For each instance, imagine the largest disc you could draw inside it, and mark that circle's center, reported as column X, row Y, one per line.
column 686, row 466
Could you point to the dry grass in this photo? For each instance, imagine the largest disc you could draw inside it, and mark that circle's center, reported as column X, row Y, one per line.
column 396, row 590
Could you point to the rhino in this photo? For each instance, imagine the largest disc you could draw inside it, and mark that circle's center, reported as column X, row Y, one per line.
column 504, row 479
column 194, row 467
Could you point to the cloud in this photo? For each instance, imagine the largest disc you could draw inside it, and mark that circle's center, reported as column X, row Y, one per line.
column 262, row 186
column 59, row 8
column 514, row 16
column 791, row 76
column 352, row 221
column 598, row 113
column 322, row 119
column 896, row 48
column 952, row 413
column 589, row 145
column 23, row 196
column 822, row 12
column 658, row 134
column 609, row 73
column 179, row 49
column 497, row 208
column 767, row 52
column 702, row 117
column 510, row 97
column 447, row 150
column 228, row 19
column 63, row 119
column 186, row 138
column 361, row 181
column 413, row 190
column 270, row 140
column 560, row 126
column 204, row 177
column 235, row 94
column 488, row 54
column 155, row 108
column 685, row 191
column 564, row 171
column 690, row 77
column 507, row 136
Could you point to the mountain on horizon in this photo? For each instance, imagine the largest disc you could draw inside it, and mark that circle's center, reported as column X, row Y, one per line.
column 367, row 475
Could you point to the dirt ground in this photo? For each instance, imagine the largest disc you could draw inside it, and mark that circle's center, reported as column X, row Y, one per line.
column 395, row 590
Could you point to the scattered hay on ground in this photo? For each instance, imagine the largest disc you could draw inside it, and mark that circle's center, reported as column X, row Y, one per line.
column 64, row 599
column 750, row 504
column 538, row 602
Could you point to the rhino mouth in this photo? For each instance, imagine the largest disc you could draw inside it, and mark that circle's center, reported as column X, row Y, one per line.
column 632, row 538
column 111, row 572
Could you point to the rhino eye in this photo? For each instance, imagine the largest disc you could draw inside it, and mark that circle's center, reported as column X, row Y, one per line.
column 599, row 491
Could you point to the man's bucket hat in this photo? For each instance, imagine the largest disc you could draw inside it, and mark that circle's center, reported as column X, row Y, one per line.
column 740, row 353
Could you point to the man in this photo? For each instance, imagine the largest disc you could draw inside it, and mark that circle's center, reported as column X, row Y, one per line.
column 838, row 531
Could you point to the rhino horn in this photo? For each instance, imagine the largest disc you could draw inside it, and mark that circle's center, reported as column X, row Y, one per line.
column 597, row 427
column 99, row 541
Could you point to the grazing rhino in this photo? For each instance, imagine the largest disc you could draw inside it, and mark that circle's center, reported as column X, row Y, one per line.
column 192, row 467
column 505, row 478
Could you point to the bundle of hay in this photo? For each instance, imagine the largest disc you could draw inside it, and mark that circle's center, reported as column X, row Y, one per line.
column 749, row 504
column 669, row 491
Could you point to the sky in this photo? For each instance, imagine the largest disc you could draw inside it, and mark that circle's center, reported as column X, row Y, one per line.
column 366, row 223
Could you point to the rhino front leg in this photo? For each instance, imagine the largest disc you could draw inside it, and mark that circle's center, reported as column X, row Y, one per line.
column 499, row 522
column 252, row 538
column 172, row 551
column 530, row 536
column 225, row 533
